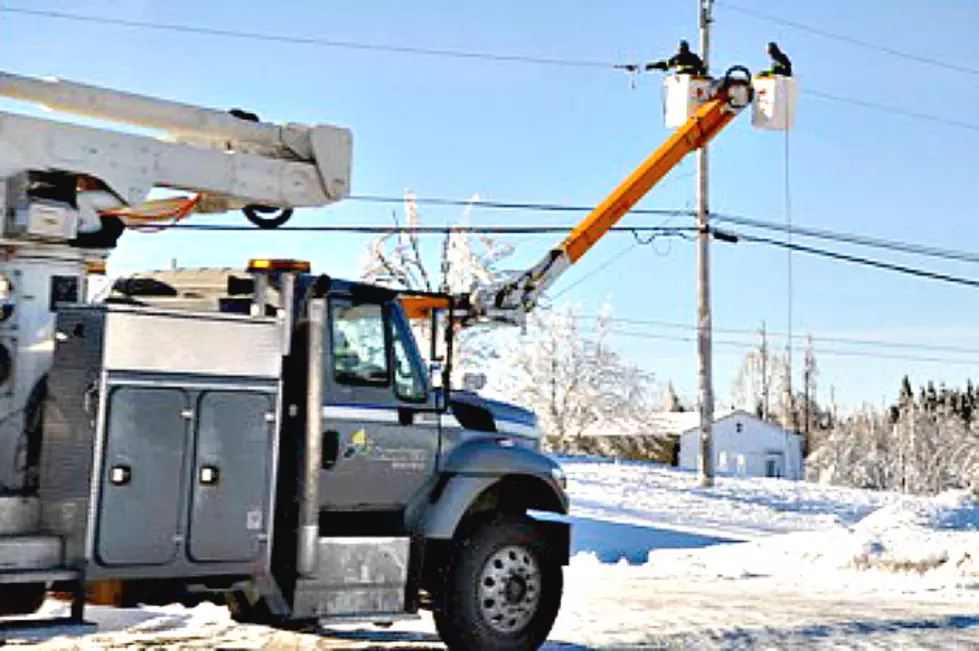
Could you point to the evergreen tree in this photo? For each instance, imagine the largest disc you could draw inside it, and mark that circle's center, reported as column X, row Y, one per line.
column 931, row 398
column 906, row 396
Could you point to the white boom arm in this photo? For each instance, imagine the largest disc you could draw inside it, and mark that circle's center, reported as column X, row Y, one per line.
column 230, row 160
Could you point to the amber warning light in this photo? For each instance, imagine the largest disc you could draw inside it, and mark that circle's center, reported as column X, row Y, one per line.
column 95, row 267
column 266, row 265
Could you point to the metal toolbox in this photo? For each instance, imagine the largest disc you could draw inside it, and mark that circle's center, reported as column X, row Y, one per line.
column 159, row 444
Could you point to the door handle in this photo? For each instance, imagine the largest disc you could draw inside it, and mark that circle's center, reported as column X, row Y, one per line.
column 406, row 416
column 331, row 449
column 120, row 475
column 209, row 475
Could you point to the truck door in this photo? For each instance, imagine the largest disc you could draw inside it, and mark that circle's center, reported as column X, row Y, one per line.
column 142, row 480
column 380, row 444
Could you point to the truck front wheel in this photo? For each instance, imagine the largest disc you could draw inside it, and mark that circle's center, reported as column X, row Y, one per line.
column 503, row 590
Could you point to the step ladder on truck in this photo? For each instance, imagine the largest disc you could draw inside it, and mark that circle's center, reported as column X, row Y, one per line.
column 274, row 442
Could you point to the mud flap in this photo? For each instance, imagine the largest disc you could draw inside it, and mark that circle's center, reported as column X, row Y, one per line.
column 558, row 535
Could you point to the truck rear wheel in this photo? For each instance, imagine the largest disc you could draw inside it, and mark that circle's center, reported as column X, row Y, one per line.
column 503, row 590
column 245, row 611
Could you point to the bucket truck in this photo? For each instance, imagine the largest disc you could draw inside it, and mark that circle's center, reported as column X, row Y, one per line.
column 269, row 438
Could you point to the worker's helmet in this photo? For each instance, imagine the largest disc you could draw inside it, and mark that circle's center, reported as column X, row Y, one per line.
column 772, row 47
column 684, row 46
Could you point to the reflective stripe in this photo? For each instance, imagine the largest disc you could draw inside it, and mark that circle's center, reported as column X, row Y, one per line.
column 386, row 414
column 374, row 414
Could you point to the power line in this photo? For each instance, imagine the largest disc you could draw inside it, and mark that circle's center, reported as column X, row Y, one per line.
column 853, row 238
column 891, row 109
column 795, row 337
column 945, row 65
column 425, row 230
column 508, row 205
column 808, row 231
column 443, row 52
column 904, row 54
column 878, row 264
column 304, row 40
column 675, row 231
column 822, row 351
column 602, row 267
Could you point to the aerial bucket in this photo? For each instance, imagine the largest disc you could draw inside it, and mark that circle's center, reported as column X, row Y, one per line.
column 684, row 95
column 773, row 105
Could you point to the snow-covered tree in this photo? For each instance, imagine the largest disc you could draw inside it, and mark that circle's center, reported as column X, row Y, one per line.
column 761, row 383
column 764, row 386
column 920, row 445
column 575, row 380
column 465, row 262
column 670, row 401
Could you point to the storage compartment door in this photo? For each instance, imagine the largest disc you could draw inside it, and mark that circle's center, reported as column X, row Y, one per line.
column 142, row 476
column 228, row 519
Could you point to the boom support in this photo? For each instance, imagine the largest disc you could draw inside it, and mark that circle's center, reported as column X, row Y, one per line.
column 511, row 302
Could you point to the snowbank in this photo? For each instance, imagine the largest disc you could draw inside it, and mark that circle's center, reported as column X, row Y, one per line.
column 932, row 544
column 647, row 494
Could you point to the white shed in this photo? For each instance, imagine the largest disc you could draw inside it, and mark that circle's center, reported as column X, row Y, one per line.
column 746, row 446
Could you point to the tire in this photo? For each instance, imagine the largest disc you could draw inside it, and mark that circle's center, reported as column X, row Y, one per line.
column 244, row 611
column 21, row 598
column 502, row 590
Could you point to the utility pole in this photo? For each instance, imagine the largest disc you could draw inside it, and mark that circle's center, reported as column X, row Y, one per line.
column 765, row 387
column 706, row 469
column 810, row 380
column 807, row 383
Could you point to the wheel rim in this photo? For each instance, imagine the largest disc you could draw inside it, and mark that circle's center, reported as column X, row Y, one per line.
column 509, row 589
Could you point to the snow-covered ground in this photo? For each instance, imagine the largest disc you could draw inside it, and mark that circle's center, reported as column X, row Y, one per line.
column 661, row 563
column 644, row 494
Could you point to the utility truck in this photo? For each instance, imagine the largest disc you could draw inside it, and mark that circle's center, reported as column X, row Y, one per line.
column 269, row 438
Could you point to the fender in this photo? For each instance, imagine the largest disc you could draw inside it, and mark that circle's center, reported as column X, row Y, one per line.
column 478, row 466
column 491, row 457
column 460, row 492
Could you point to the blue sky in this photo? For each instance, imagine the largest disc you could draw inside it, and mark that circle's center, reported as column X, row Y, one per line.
column 449, row 128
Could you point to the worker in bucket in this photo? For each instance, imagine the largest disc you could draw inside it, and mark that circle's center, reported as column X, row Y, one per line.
column 781, row 65
column 684, row 61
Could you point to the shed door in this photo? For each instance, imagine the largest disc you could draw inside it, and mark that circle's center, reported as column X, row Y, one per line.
column 231, row 479
column 773, row 465
column 142, row 476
